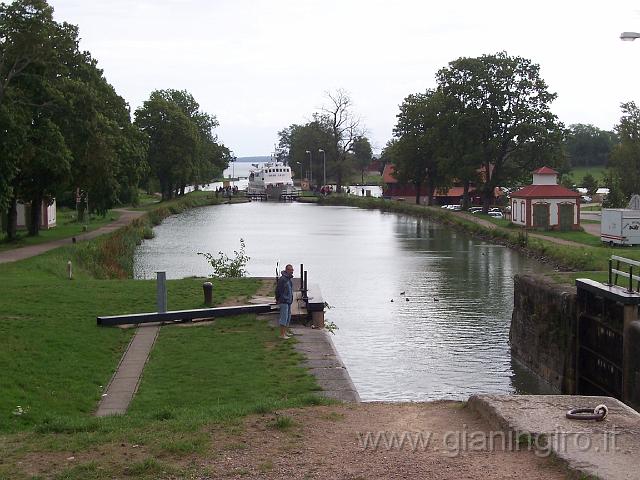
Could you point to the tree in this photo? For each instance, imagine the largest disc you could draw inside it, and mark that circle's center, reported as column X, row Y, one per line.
column 362, row 154
column 416, row 150
column 587, row 145
column 625, row 157
column 590, row 183
column 510, row 106
column 183, row 149
column 345, row 129
column 296, row 140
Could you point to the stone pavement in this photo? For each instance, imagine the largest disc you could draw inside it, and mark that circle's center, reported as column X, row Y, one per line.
column 126, row 217
column 608, row 450
column 124, row 383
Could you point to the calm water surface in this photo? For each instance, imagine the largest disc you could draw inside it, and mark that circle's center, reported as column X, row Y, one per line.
column 446, row 337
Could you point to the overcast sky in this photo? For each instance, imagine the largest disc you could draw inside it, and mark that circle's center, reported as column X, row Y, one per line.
column 261, row 65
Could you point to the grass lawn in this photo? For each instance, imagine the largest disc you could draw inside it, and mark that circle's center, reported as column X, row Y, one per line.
column 574, row 236
column 591, row 208
column 598, row 172
column 56, row 362
column 66, row 227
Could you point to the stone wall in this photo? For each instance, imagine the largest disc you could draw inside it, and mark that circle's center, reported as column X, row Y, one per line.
column 543, row 326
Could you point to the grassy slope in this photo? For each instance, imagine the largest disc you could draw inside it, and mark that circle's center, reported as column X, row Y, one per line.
column 56, row 363
column 578, row 173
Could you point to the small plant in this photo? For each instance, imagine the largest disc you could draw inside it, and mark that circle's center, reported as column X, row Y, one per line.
column 225, row 267
column 330, row 326
column 282, row 423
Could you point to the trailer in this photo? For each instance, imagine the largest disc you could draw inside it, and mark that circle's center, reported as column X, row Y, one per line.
column 620, row 226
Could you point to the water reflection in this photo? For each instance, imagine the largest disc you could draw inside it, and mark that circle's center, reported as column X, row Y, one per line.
column 446, row 337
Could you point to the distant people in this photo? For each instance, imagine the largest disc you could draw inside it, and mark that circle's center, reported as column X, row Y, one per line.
column 363, row 192
column 284, row 298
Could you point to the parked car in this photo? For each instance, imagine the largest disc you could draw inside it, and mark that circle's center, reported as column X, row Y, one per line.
column 586, row 199
column 495, row 214
column 475, row 209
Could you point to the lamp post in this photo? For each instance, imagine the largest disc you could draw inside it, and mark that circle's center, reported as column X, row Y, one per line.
column 629, row 36
column 233, row 168
column 324, row 166
column 310, row 168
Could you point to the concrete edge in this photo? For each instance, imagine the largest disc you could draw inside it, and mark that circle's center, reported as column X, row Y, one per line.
column 347, row 377
column 480, row 405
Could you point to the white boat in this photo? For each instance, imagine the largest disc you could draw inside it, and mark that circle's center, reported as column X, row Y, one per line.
column 272, row 180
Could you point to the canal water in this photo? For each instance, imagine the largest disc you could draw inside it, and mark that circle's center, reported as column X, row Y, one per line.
column 423, row 311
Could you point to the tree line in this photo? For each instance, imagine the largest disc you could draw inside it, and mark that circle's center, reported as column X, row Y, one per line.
column 66, row 133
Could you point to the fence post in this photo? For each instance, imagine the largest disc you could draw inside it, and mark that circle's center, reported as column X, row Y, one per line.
column 161, row 291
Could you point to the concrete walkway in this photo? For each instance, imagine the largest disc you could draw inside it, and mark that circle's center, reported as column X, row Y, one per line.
column 126, row 217
column 608, row 450
column 124, row 383
column 324, row 363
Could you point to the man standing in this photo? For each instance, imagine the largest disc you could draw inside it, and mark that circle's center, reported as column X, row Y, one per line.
column 284, row 297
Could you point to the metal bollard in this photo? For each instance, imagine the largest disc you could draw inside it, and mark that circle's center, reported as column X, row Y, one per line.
column 70, row 270
column 207, row 288
column 161, row 291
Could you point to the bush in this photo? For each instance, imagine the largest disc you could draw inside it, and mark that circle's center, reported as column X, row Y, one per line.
column 225, row 267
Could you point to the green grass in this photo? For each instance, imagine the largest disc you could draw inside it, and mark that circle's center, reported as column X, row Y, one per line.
column 591, row 208
column 598, row 172
column 56, row 364
column 66, row 226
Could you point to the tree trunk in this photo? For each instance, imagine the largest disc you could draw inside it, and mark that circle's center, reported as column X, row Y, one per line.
column 36, row 213
column 430, row 190
column 487, row 196
column 12, row 218
column 465, row 196
column 418, row 187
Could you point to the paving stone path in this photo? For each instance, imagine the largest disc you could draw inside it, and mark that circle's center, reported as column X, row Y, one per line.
column 124, row 383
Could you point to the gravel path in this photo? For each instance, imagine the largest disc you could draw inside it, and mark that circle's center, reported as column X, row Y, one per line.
column 126, row 217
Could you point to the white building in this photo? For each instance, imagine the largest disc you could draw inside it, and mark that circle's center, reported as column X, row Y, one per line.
column 47, row 215
column 546, row 205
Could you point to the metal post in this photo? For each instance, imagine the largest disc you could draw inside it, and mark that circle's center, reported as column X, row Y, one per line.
column 301, row 276
column 630, row 278
column 304, row 289
column 207, row 288
column 161, row 291
column 610, row 274
column 70, row 270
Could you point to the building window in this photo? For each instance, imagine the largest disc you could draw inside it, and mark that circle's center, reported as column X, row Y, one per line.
column 515, row 211
column 522, row 216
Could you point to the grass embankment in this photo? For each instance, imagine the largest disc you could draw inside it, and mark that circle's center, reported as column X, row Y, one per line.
column 67, row 226
column 598, row 172
column 56, row 364
column 589, row 259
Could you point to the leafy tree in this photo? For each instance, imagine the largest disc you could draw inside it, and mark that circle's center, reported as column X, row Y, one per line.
column 615, row 198
column 510, row 106
column 625, row 157
column 416, row 150
column 296, row 140
column 590, row 183
column 587, row 145
column 362, row 154
column 183, row 149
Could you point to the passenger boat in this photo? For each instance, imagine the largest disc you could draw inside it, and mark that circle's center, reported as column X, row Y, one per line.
column 271, row 181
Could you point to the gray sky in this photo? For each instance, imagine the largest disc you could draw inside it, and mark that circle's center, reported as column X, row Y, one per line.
column 261, row 65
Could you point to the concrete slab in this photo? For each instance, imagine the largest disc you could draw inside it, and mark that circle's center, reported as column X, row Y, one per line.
column 608, row 450
column 125, row 380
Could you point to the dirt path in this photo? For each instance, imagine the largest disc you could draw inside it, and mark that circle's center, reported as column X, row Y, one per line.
column 328, row 443
column 126, row 216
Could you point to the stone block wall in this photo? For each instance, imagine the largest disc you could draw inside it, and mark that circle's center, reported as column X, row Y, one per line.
column 543, row 330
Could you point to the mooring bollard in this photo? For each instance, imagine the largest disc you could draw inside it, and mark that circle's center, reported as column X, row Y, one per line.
column 70, row 270
column 207, row 287
column 161, row 291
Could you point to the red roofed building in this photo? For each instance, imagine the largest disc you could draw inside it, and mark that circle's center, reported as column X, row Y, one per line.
column 546, row 205
column 396, row 190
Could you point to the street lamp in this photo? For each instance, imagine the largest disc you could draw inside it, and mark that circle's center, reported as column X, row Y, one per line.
column 310, row 168
column 233, row 168
column 629, row 36
column 324, row 166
